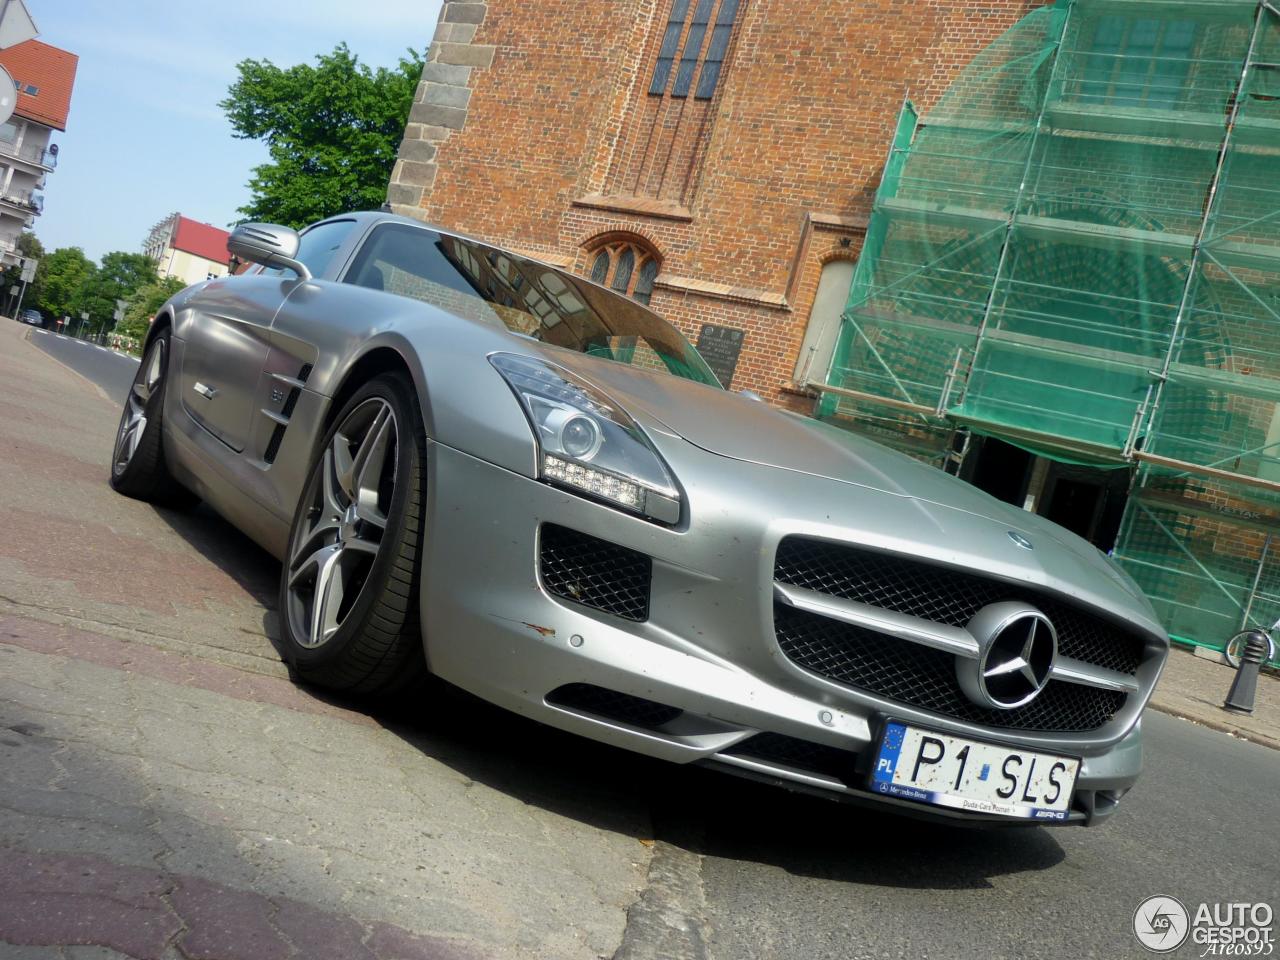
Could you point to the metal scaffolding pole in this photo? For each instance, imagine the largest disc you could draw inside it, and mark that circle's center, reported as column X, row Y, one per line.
column 1017, row 200
column 1179, row 320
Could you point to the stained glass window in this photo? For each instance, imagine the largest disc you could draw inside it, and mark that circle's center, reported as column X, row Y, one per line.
column 692, row 48
column 717, row 50
column 600, row 269
column 622, row 275
column 625, row 266
column 644, row 285
column 670, row 41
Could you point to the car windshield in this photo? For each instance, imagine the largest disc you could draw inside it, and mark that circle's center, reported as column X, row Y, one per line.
column 526, row 297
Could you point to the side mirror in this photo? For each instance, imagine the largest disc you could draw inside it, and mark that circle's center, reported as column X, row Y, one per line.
column 268, row 244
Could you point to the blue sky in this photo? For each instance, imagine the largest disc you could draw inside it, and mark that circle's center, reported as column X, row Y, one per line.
column 145, row 136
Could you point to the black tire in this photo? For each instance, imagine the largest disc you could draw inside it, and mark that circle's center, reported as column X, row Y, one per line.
column 142, row 473
column 375, row 646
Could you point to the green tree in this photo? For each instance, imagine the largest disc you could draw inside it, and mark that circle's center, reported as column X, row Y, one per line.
column 28, row 246
column 118, row 277
column 143, row 306
column 67, row 273
column 332, row 131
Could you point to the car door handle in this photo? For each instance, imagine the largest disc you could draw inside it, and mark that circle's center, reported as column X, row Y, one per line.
column 205, row 390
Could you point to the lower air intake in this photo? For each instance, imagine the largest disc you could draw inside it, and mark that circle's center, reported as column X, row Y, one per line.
column 595, row 573
column 612, row 705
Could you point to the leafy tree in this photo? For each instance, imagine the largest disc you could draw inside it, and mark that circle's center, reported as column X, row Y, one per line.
column 332, row 131
column 118, row 277
column 143, row 306
column 29, row 245
column 67, row 273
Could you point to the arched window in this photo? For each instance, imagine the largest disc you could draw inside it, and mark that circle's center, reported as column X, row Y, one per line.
column 626, row 266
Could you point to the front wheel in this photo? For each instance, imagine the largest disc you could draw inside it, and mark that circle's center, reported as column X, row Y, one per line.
column 348, row 591
column 138, row 467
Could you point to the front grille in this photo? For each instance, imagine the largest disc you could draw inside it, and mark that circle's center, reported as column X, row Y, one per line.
column 946, row 596
column 926, row 678
column 612, row 705
column 594, row 572
column 818, row 758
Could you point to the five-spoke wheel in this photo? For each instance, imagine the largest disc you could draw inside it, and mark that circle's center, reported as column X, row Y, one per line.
column 343, row 526
column 347, row 593
column 133, row 423
column 138, row 467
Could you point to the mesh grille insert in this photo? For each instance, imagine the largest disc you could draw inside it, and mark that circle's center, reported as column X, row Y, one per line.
column 802, row 754
column 946, row 596
column 612, row 705
column 594, row 572
column 926, row 678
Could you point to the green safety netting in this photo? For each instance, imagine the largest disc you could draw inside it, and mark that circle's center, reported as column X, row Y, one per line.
column 1077, row 251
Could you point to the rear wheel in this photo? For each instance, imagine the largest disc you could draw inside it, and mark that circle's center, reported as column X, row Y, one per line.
column 138, row 466
column 349, row 588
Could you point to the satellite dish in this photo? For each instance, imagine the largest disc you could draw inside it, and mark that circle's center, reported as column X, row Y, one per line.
column 8, row 96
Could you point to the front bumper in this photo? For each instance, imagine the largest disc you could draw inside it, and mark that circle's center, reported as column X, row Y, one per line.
column 491, row 628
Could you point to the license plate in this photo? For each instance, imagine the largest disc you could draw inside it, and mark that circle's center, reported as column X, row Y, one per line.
column 949, row 771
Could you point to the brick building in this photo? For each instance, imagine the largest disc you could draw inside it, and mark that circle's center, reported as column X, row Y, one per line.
column 721, row 153
column 1032, row 244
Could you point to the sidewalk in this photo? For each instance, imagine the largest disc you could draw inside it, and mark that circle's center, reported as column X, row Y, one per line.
column 1193, row 688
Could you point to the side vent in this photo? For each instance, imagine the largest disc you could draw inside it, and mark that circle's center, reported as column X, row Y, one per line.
column 282, row 418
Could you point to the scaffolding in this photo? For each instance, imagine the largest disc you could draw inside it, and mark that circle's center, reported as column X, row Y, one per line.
column 1078, row 251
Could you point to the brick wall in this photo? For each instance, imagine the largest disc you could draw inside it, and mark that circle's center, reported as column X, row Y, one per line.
column 533, row 127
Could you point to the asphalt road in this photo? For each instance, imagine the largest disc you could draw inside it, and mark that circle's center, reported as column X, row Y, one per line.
column 527, row 842
column 111, row 371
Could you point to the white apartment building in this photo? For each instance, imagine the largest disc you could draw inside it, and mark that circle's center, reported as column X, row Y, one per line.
column 187, row 249
column 44, row 77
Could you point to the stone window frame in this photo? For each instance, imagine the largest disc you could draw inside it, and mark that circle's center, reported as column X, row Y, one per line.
column 625, row 264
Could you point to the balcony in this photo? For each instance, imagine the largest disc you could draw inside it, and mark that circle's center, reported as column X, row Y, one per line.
column 34, row 154
column 28, row 201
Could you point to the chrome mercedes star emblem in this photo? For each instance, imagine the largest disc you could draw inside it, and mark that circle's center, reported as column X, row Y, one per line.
column 1020, row 540
column 1017, row 646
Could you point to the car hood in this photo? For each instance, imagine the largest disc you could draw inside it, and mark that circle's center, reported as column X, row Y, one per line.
column 735, row 426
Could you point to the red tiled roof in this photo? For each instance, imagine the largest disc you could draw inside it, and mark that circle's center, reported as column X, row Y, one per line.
column 200, row 239
column 51, row 71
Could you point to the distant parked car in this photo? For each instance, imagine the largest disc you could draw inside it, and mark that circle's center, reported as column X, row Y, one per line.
column 32, row 317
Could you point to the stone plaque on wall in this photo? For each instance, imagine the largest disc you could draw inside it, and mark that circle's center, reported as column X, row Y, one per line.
column 720, row 347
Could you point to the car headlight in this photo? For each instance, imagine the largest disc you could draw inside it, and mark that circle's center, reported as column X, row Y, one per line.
column 587, row 442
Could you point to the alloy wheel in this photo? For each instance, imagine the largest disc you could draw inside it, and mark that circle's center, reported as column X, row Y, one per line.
column 133, row 423
column 341, row 532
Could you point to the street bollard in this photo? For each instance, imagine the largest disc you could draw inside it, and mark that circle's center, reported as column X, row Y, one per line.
column 1245, row 686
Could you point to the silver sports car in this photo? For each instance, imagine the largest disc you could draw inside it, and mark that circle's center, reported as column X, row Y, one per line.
column 479, row 466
